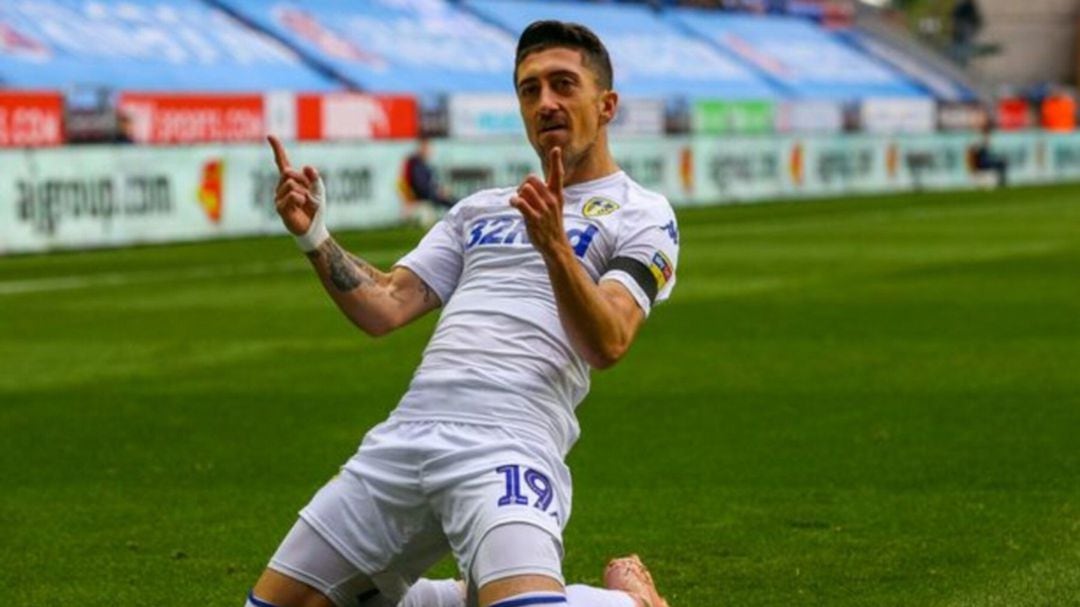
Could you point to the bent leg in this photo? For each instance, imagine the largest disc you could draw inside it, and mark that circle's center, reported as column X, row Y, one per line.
column 278, row 590
column 522, row 590
column 518, row 563
column 306, row 571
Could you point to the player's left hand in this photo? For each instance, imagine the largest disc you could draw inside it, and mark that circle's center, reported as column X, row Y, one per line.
column 541, row 204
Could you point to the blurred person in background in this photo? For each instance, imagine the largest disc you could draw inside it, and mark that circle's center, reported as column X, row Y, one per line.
column 425, row 199
column 419, row 176
column 983, row 159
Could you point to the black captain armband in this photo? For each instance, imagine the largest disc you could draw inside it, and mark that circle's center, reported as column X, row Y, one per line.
column 639, row 272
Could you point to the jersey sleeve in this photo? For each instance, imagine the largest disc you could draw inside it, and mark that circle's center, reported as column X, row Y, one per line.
column 646, row 254
column 439, row 258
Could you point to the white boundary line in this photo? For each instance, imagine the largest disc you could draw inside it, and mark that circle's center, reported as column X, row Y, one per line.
column 120, row 279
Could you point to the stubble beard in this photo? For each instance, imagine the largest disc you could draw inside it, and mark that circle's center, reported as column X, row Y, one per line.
column 571, row 157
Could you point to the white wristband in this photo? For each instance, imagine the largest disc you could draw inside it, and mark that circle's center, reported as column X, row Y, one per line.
column 315, row 236
column 317, row 232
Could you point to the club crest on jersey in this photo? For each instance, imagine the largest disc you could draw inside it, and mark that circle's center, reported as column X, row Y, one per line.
column 661, row 269
column 599, row 206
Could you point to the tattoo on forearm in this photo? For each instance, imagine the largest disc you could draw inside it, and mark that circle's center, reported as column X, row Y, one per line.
column 347, row 271
column 363, row 266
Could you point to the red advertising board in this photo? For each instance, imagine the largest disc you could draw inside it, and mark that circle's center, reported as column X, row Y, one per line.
column 31, row 118
column 1058, row 113
column 193, row 118
column 1013, row 114
column 336, row 116
column 166, row 118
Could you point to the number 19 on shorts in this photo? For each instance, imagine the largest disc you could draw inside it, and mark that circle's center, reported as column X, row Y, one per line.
column 537, row 482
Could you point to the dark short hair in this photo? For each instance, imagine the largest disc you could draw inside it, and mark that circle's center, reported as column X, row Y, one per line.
column 542, row 35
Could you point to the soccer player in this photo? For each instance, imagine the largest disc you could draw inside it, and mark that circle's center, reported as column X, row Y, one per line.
column 537, row 284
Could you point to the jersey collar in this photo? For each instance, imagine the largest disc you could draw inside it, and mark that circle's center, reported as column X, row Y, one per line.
column 579, row 188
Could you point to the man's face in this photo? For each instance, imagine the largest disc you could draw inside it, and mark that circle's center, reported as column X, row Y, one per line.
column 561, row 103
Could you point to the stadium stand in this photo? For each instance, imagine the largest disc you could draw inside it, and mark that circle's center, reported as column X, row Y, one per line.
column 933, row 73
column 143, row 45
column 651, row 56
column 363, row 43
column 303, row 69
column 249, row 45
column 804, row 60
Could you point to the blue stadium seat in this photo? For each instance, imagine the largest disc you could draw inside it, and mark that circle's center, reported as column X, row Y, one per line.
column 652, row 57
column 422, row 48
column 143, row 45
column 426, row 48
column 805, row 59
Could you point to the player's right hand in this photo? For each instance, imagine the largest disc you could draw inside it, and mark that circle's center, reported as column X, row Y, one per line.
column 541, row 205
column 300, row 199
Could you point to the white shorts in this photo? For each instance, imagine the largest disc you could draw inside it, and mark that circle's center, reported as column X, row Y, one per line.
column 416, row 490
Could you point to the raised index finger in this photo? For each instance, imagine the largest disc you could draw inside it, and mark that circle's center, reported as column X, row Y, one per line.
column 555, row 171
column 280, row 157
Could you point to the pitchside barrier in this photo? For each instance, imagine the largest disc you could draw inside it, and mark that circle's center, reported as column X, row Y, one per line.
column 106, row 196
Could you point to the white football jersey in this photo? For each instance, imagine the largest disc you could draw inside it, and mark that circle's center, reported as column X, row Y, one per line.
column 499, row 354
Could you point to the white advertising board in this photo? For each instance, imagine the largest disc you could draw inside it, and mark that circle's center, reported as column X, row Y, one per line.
column 479, row 115
column 120, row 195
column 899, row 115
column 637, row 117
column 809, row 117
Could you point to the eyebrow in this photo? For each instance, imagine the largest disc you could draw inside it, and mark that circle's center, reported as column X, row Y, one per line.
column 553, row 74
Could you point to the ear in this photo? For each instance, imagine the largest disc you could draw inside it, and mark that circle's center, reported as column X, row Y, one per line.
column 609, row 106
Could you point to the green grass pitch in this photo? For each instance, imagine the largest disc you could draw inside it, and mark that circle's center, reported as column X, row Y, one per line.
column 869, row 401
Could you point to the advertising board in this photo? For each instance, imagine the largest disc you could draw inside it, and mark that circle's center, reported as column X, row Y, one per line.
column 187, row 118
column 121, row 195
column 721, row 117
column 899, row 115
column 83, row 196
column 31, row 119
